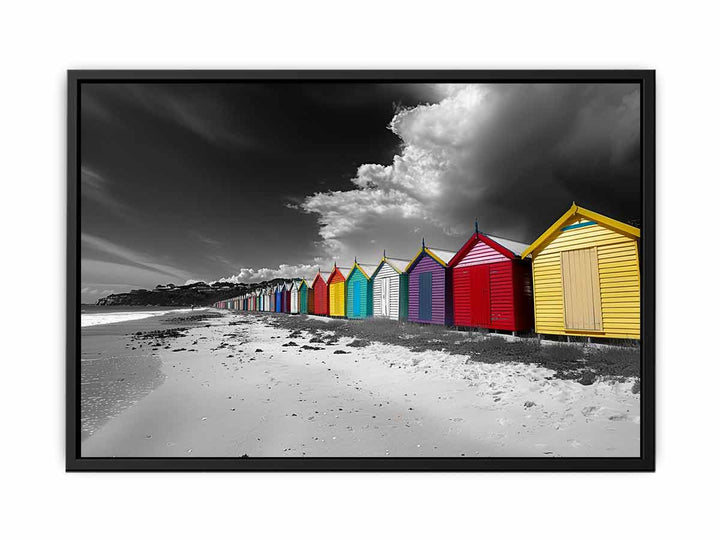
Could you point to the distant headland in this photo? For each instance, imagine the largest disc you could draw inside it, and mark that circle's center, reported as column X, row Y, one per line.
column 194, row 294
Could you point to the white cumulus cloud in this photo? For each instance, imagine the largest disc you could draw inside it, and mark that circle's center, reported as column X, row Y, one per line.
column 487, row 151
column 254, row 275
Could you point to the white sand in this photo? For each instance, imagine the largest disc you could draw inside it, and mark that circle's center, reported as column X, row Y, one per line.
column 380, row 400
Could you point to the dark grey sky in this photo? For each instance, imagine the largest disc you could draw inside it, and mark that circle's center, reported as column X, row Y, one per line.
column 213, row 180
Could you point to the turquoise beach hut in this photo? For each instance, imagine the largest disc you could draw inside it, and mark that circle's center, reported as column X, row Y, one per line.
column 359, row 293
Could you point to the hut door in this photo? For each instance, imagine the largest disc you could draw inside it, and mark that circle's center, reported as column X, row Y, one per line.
column 356, row 299
column 425, row 300
column 581, row 289
column 481, row 287
column 385, row 297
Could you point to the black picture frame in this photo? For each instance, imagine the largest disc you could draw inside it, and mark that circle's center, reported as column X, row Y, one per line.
column 646, row 461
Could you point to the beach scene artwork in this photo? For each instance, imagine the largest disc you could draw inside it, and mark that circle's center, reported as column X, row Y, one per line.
column 356, row 269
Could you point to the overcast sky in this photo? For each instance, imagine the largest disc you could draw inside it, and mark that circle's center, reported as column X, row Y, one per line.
column 250, row 181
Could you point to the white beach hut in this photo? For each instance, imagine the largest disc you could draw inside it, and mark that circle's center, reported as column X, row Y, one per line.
column 389, row 289
column 266, row 299
column 295, row 297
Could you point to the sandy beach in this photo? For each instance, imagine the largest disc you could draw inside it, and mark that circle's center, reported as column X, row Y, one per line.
column 232, row 384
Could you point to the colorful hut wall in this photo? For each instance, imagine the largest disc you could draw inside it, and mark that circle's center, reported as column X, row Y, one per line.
column 359, row 293
column 586, row 277
column 336, row 293
column 307, row 295
column 295, row 297
column 491, row 284
column 286, row 298
column 390, row 289
column 320, row 296
column 278, row 299
column 430, row 287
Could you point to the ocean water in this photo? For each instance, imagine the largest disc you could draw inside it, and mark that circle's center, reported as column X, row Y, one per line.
column 93, row 317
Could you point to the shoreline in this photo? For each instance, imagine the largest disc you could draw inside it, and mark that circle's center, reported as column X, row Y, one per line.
column 102, row 317
column 114, row 373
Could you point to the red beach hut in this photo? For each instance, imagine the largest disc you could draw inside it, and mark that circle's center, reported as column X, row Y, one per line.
column 286, row 297
column 492, row 285
column 320, row 288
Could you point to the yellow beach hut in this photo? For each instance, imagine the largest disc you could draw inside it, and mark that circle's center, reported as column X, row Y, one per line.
column 586, row 277
column 336, row 286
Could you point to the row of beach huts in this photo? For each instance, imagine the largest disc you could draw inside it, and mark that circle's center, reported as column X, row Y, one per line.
column 581, row 277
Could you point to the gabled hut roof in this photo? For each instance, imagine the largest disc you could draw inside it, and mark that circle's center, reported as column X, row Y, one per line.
column 358, row 267
column 337, row 270
column 320, row 275
column 442, row 256
column 398, row 265
column 578, row 211
column 510, row 248
column 513, row 246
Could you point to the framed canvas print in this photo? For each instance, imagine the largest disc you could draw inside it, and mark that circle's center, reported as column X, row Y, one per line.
column 361, row 270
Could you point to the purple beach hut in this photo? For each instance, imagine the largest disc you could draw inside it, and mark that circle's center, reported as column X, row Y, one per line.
column 430, row 287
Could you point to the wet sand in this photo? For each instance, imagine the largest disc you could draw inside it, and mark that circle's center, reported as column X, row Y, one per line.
column 243, row 387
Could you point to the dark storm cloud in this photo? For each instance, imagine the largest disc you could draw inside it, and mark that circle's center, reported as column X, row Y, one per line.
column 514, row 156
column 545, row 146
column 201, row 175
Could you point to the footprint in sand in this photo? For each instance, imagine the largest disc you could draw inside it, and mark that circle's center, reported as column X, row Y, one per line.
column 590, row 411
column 574, row 443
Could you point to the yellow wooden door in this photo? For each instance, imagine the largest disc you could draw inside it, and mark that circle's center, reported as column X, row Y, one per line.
column 337, row 299
column 581, row 289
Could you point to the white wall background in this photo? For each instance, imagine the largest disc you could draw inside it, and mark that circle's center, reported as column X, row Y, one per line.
column 39, row 42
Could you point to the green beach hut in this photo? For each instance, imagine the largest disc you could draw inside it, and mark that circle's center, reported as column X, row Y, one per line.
column 306, row 298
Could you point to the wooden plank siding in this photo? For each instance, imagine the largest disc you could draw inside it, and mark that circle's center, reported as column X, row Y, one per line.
column 286, row 299
column 481, row 253
column 581, row 289
column 320, row 297
column 359, row 297
column 491, row 286
column 337, row 299
column 336, row 293
column 305, row 301
column 404, row 294
column 277, row 304
column 619, row 280
column 386, row 272
column 294, row 299
column 441, row 301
